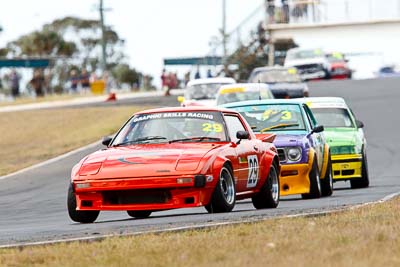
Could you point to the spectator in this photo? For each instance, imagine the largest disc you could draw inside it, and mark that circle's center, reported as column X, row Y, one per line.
column 285, row 11
column 14, row 81
column 163, row 80
column 108, row 81
column 197, row 74
column 172, row 82
column 187, row 78
column 74, row 79
column 209, row 74
column 270, row 5
column 85, row 80
column 38, row 83
column 175, row 81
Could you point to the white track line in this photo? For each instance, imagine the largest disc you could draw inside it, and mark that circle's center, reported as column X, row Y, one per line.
column 197, row 227
column 63, row 156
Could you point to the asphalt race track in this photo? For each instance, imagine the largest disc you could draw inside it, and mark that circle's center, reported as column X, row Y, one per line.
column 33, row 203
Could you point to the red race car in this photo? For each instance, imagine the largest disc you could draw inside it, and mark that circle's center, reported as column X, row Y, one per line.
column 171, row 158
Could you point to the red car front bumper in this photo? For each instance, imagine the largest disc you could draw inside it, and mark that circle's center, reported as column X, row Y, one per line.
column 141, row 193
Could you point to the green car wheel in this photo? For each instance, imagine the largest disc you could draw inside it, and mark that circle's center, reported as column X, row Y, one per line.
column 327, row 182
column 364, row 180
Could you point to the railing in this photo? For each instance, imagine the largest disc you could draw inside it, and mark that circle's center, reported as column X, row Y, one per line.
column 306, row 11
column 325, row 11
column 320, row 11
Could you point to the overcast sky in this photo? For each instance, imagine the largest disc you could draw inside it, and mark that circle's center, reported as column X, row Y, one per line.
column 156, row 29
column 152, row 29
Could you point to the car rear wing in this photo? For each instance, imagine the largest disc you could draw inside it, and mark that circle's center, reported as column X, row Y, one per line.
column 266, row 137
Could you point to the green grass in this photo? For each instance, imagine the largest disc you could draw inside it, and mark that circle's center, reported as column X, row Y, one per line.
column 31, row 137
column 368, row 236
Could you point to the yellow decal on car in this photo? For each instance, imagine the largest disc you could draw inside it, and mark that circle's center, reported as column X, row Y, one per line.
column 287, row 115
column 267, row 113
column 337, row 55
column 232, row 90
column 212, row 127
column 317, row 52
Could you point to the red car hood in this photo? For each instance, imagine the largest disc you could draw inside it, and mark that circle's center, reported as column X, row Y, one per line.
column 145, row 160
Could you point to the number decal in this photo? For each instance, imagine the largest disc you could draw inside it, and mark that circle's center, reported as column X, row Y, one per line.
column 206, row 127
column 253, row 171
column 267, row 113
column 217, row 127
column 286, row 115
column 212, row 127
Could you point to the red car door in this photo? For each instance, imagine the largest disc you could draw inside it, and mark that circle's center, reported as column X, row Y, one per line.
column 247, row 172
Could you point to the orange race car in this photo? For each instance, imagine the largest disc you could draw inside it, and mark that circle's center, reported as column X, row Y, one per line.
column 176, row 158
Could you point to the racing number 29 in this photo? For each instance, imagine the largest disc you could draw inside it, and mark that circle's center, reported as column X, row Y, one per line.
column 253, row 171
column 212, row 127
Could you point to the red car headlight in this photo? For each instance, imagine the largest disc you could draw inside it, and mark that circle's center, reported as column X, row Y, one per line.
column 187, row 164
column 90, row 169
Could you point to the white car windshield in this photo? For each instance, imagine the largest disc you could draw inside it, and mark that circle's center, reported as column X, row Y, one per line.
column 274, row 76
column 202, row 91
column 243, row 96
column 303, row 54
column 333, row 117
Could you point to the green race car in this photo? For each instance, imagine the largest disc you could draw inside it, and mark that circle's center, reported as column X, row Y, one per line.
column 345, row 137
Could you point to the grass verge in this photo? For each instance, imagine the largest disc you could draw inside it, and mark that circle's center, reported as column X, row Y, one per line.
column 48, row 133
column 47, row 98
column 368, row 236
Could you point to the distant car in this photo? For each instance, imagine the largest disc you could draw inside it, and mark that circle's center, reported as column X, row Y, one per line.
column 283, row 82
column 311, row 63
column 172, row 158
column 303, row 152
column 388, row 71
column 243, row 91
column 202, row 92
column 345, row 137
column 339, row 67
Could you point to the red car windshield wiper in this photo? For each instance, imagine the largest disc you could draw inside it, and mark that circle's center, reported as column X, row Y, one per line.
column 147, row 138
column 195, row 139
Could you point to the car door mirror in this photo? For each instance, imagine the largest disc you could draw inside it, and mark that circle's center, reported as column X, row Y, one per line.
column 318, row 129
column 359, row 124
column 106, row 140
column 242, row 135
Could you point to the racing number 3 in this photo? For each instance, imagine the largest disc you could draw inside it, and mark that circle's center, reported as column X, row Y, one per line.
column 253, row 171
column 286, row 115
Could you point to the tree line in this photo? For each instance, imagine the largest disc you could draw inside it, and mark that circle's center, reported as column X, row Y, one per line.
column 74, row 44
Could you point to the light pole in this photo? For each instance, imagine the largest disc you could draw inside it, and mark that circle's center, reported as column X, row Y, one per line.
column 224, row 37
column 224, row 27
column 103, row 38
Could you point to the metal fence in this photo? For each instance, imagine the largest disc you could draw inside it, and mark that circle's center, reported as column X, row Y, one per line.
column 304, row 12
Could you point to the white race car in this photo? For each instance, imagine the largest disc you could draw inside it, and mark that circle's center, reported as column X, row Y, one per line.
column 311, row 63
column 242, row 92
column 203, row 92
